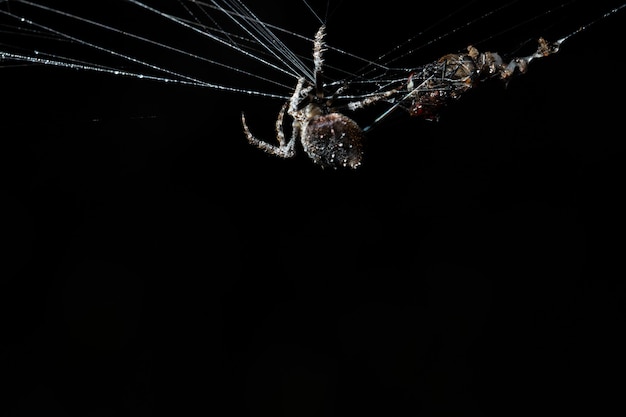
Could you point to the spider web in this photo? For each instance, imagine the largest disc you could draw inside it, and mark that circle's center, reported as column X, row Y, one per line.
column 231, row 47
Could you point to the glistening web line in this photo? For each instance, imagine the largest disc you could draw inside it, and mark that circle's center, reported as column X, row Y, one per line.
column 254, row 40
column 39, row 56
column 41, row 33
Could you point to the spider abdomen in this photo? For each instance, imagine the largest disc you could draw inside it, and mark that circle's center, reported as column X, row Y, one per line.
column 334, row 141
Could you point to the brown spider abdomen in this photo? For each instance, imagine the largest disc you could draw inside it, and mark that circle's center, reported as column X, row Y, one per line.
column 334, row 141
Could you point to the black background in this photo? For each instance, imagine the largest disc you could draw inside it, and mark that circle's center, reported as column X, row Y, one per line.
column 159, row 264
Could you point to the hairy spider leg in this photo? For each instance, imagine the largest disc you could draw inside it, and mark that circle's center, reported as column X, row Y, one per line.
column 284, row 150
column 318, row 61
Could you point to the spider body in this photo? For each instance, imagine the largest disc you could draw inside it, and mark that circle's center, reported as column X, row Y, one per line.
column 333, row 140
column 329, row 138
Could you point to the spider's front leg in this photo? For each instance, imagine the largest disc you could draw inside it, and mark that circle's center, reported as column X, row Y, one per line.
column 284, row 149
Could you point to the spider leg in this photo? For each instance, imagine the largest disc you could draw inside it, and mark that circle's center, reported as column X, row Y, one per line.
column 372, row 99
column 298, row 96
column 318, row 60
column 283, row 150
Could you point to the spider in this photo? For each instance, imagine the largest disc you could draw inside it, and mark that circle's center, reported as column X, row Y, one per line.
column 331, row 139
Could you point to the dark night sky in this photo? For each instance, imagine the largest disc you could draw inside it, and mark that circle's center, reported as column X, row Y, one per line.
column 158, row 263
